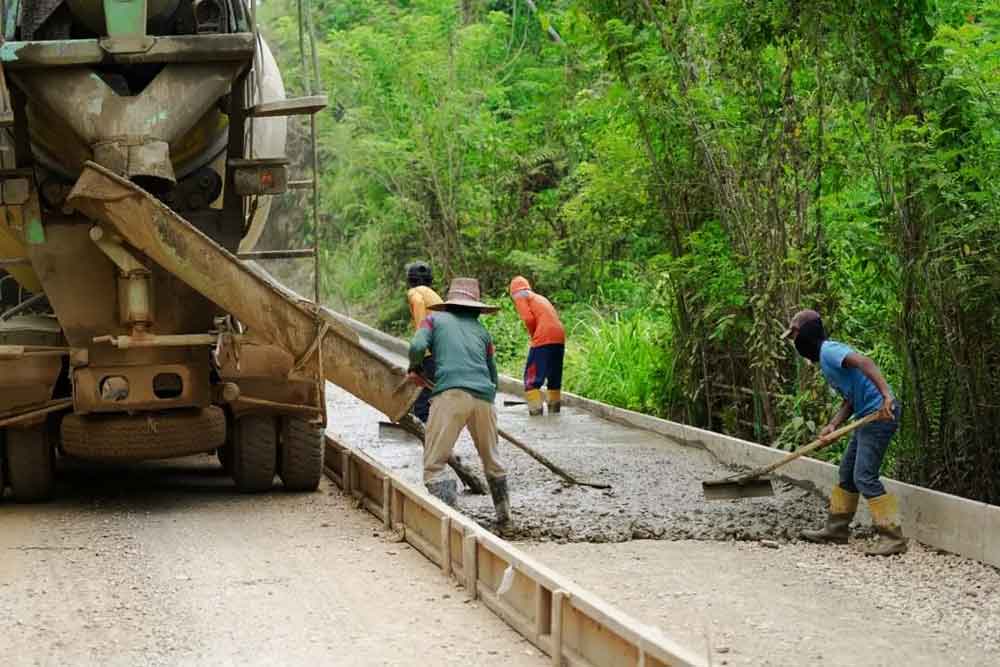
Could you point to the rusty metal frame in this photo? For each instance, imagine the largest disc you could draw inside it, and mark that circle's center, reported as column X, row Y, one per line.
column 36, row 412
column 87, row 394
column 271, row 314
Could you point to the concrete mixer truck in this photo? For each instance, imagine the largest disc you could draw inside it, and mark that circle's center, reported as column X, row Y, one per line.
column 140, row 143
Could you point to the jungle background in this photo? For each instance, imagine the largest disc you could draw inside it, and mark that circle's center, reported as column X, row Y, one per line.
column 679, row 177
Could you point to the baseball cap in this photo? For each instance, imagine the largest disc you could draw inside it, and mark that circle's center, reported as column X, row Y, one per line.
column 798, row 319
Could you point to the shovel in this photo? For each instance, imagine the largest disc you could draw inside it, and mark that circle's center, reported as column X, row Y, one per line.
column 750, row 484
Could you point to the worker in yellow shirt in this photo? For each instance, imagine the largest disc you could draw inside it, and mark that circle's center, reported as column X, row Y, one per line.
column 420, row 298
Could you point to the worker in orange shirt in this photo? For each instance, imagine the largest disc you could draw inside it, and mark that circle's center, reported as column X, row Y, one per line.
column 420, row 298
column 548, row 346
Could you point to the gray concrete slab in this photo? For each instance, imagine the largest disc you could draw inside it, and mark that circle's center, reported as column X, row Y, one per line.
column 944, row 521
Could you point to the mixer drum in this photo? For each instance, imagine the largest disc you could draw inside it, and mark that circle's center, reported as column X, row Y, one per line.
column 59, row 145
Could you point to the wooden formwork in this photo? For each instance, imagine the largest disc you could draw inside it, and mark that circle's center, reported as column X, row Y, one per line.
column 559, row 617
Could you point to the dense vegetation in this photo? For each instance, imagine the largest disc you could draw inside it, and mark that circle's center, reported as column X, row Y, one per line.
column 680, row 177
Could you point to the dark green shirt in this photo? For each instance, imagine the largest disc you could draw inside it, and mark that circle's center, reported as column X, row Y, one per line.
column 463, row 353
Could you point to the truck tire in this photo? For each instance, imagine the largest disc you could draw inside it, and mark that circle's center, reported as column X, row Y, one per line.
column 300, row 463
column 254, row 453
column 30, row 466
column 143, row 437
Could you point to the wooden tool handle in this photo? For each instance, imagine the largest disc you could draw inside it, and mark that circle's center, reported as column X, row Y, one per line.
column 818, row 443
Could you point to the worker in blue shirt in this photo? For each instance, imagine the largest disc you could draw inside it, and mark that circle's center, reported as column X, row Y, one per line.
column 860, row 384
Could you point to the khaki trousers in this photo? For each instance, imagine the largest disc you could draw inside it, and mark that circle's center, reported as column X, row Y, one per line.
column 451, row 411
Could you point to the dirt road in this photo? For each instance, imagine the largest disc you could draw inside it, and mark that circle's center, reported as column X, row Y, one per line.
column 164, row 564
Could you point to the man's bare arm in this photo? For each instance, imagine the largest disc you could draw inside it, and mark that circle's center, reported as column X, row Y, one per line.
column 871, row 371
column 842, row 414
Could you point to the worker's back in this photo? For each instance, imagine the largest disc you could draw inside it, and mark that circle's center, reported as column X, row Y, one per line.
column 540, row 317
column 463, row 350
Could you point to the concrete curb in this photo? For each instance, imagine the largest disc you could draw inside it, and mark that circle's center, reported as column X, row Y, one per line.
column 940, row 520
column 562, row 619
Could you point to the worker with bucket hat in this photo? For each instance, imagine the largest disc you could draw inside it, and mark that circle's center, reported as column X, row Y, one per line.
column 463, row 392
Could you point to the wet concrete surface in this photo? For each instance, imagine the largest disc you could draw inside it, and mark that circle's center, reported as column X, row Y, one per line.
column 655, row 483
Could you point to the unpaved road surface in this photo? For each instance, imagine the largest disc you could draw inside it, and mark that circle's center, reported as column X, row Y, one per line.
column 800, row 604
column 165, row 564
column 797, row 604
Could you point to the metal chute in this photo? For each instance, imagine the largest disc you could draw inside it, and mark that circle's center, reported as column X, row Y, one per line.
column 316, row 338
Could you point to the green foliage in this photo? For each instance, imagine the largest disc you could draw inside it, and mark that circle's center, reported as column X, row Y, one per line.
column 622, row 359
column 679, row 178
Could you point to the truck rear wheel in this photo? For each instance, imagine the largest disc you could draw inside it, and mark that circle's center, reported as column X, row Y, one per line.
column 30, row 465
column 254, row 452
column 300, row 463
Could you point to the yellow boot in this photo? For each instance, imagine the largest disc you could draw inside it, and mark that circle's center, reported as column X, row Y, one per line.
column 555, row 401
column 885, row 517
column 843, row 505
column 533, row 397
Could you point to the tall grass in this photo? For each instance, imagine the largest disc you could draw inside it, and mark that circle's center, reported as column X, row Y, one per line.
column 619, row 357
column 623, row 359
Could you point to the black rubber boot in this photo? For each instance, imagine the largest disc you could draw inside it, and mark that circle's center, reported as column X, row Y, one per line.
column 885, row 517
column 501, row 503
column 890, row 542
column 533, row 397
column 555, row 401
column 843, row 505
column 836, row 531
column 445, row 490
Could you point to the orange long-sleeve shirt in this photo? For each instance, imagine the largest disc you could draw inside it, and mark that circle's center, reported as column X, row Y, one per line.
column 538, row 314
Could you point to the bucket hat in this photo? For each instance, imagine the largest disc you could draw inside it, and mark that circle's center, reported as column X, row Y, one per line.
column 464, row 292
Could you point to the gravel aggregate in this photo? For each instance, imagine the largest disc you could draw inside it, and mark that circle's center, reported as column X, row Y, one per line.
column 800, row 604
column 165, row 563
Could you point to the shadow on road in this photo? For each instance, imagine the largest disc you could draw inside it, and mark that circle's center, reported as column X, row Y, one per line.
column 142, row 485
